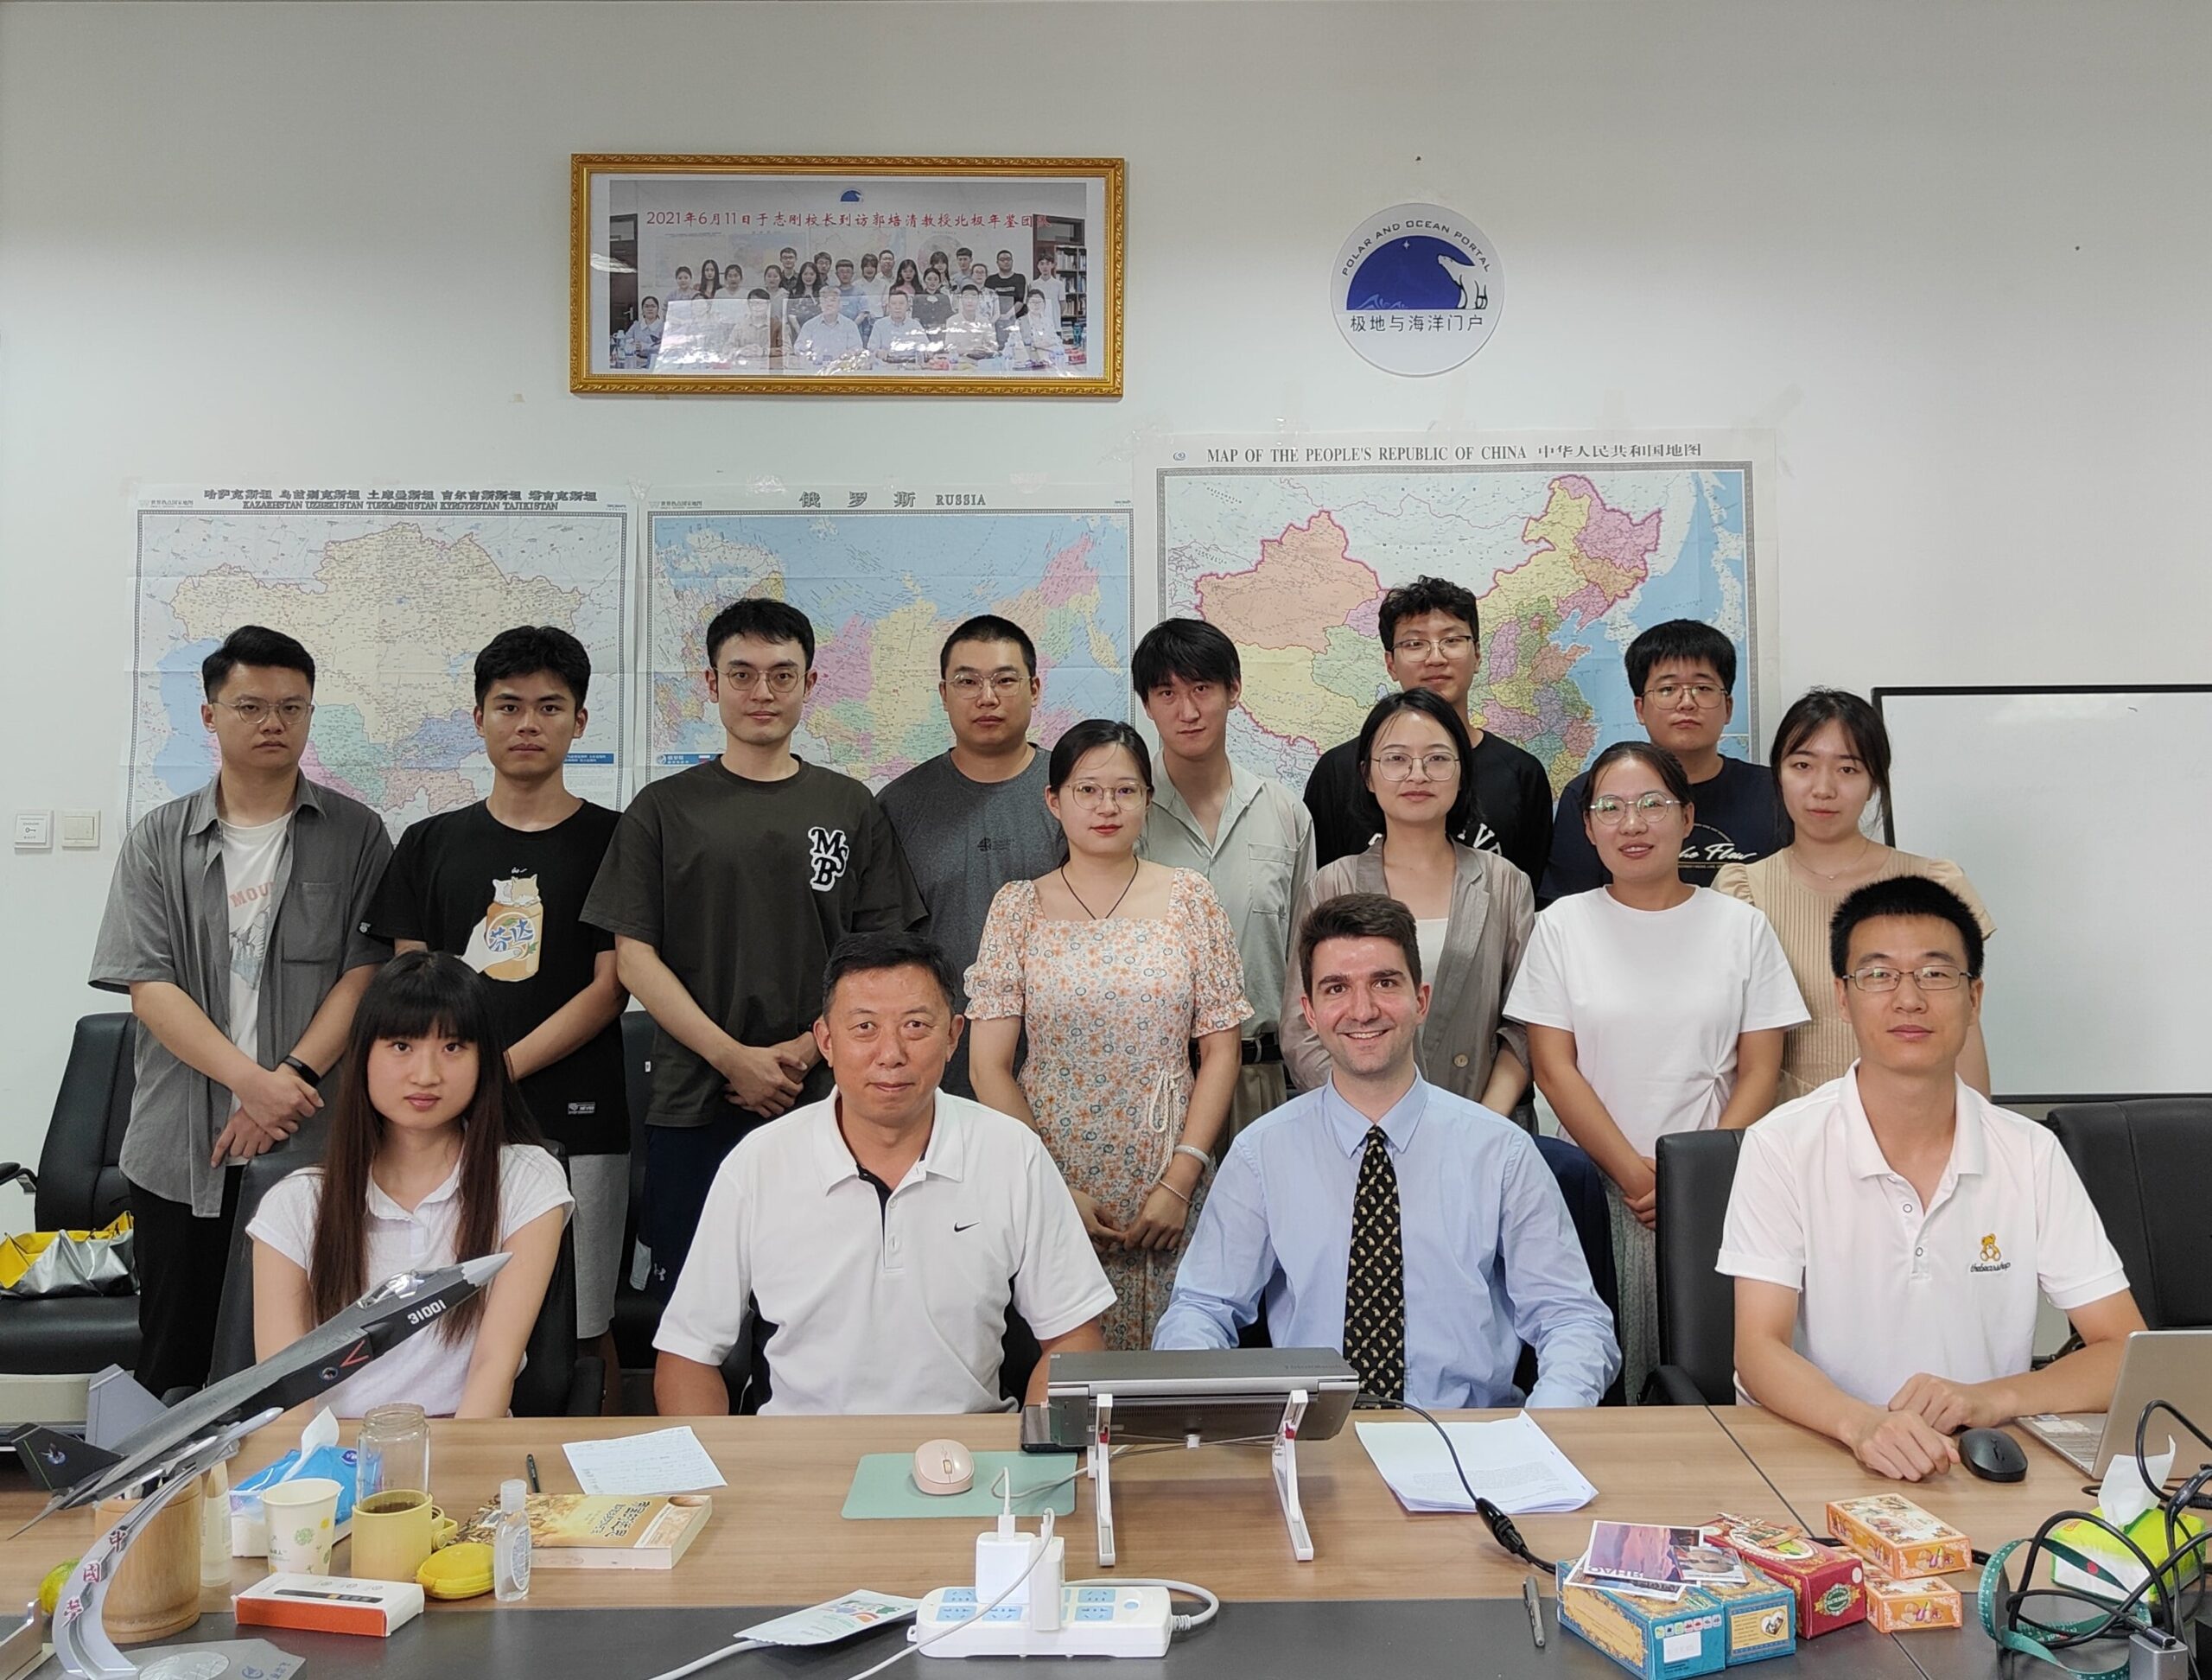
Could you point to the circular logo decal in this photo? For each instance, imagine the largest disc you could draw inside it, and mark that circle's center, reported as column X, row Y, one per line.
column 1416, row 288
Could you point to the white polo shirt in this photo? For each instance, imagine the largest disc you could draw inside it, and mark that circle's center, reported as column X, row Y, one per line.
column 1889, row 1288
column 885, row 1307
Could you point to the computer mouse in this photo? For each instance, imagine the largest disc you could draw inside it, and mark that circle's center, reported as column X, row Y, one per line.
column 1993, row 1455
column 946, row 1466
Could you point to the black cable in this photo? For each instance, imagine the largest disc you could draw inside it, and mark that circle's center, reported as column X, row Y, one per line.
column 1501, row 1525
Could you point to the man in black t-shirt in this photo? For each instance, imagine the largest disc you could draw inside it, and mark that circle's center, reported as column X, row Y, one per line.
column 725, row 886
column 501, row 885
column 1683, row 675
column 1431, row 630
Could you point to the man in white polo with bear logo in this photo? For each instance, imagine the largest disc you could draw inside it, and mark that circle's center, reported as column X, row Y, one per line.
column 1889, row 1232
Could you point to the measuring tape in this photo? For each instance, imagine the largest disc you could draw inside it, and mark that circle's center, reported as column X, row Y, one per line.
column 2035, row 1641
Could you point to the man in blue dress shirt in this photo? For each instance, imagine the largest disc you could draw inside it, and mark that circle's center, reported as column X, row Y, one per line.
column 1421, row 1233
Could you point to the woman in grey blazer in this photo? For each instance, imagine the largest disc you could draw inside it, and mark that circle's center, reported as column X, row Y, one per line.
column 1473, row 910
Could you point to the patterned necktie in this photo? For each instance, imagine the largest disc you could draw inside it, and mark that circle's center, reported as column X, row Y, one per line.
column 1374, row 1280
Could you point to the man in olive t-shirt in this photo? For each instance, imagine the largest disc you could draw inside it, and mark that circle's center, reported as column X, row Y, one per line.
column 726, row 886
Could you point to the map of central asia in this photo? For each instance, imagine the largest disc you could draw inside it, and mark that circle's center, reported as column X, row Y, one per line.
column 1567, row 569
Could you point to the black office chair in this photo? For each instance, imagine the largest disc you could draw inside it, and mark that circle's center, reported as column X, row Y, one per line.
column 1697, row 1303
column 745, row 1367
column 555, row 1381
column 637, row 1315
column 78, row 1187
column 2144, row 1164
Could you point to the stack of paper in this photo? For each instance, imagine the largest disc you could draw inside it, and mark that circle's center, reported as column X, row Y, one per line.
column 1512, row 1463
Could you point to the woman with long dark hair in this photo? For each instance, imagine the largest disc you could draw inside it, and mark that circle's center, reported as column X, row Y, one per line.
column 1831, row 761
column 432, row 1160
column 1114, row 966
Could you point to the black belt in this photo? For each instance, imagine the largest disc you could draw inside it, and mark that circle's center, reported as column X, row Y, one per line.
column 1252, row 1052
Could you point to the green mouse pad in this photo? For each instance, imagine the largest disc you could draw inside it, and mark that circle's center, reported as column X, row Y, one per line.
column 883, row 1485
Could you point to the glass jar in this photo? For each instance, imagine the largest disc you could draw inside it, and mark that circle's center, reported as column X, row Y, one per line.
column 392, row 1457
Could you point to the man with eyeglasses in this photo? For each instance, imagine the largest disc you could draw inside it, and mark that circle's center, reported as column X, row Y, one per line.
column 1683, row 675
column 1896, row 1225
column 1248, row 835
column 233, row 921
column 726, row 887
column 1431, row 630
column 973, row 818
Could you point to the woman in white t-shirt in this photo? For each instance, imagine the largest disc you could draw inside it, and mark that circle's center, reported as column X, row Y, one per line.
column 1652, row 1006
column 426, row 1164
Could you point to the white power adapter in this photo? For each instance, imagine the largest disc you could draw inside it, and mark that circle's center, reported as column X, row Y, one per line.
column 1022, row 1606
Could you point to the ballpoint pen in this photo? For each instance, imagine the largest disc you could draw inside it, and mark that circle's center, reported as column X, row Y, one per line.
column 529, row 1464
column 1535, row 1611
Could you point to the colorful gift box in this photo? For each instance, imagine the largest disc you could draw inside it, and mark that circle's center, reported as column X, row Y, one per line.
column 1761, row 1615
column 1829, row 1584
column 1897, row 1537
column 1907, row 1607
column 1647, row 1637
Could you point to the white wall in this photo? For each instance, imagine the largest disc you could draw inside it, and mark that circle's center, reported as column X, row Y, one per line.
column 1954, row 253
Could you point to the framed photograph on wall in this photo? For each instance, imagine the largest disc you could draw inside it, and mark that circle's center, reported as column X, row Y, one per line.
column 986, row 277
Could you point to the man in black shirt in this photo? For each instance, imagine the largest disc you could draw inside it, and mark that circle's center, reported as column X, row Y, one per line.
column 1683, row 675
column 501, row 885
column 1431, row 630
column 726, row 887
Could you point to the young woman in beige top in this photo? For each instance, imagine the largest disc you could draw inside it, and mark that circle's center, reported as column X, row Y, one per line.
column 1473, row 911
column 1831, row 757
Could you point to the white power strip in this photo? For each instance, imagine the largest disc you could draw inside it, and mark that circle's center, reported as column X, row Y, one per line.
column 1095, row 1622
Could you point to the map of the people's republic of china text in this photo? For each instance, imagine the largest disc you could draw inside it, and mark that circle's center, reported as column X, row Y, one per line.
column 394, row 593
column 1570, row 548
column 884, row 586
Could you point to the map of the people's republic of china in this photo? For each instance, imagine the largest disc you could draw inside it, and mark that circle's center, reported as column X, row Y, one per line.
column 1571, row 545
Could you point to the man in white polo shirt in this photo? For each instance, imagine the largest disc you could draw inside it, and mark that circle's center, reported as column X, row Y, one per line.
column 882, row 1231
column 1888, row 1233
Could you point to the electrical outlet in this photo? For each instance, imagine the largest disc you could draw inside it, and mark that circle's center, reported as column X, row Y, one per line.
column 34, row 831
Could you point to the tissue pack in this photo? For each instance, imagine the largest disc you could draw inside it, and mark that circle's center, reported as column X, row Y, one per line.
column 317, row 1454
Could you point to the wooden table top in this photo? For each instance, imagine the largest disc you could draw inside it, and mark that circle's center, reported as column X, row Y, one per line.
column 777, row 1536
column 1809, row 1470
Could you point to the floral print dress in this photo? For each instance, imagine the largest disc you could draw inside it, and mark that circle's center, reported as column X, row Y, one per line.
column 1110, row 1008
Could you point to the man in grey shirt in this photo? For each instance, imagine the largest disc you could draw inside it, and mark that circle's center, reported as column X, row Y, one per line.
column 232, row 921
column 1249, row 836
column 974, row 817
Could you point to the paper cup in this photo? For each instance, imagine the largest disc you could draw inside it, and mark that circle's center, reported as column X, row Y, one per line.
column 302, row 1522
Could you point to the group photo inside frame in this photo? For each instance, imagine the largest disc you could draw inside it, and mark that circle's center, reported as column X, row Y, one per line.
column 928, row 275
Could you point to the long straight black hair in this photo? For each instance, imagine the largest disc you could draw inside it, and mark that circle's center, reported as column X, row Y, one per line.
column 421, row 995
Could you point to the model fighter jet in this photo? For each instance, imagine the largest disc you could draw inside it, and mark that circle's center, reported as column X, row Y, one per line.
column 79, row 1472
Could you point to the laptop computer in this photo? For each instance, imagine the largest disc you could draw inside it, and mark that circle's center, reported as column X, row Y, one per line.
column 2172, row 1366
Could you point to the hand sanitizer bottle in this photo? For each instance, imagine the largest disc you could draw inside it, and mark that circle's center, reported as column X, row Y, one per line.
column 510, row 1544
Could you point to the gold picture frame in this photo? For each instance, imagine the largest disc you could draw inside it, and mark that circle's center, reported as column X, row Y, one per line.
column 651, row 236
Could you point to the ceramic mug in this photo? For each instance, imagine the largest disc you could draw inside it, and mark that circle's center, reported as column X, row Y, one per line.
column 394, row 1531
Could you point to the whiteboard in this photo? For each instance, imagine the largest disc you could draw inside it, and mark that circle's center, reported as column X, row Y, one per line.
column 2083, row 817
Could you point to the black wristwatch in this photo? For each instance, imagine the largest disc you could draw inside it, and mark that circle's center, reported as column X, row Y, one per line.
column 301, row 1069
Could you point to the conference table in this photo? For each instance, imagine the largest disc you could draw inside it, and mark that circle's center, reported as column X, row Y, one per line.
column 1388, row 1592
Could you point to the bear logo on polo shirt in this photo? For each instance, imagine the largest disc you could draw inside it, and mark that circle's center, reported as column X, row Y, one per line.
column 1993, row 1258
column 828, row 852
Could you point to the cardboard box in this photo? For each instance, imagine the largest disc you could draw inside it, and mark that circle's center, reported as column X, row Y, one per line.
column 1897, row 1537
column 1829, row 1584
column 1761, row 1614
column 1647, row 1637
column 328, row 1604
column 1906, row 1606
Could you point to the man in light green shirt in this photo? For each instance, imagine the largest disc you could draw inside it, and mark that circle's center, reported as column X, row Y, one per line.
column 1250, row 837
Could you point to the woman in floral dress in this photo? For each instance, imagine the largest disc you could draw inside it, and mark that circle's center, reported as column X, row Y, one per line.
column 1113, row 966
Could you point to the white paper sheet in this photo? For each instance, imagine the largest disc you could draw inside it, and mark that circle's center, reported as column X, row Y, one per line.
column 661, row 1461
column 1512, row 1463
